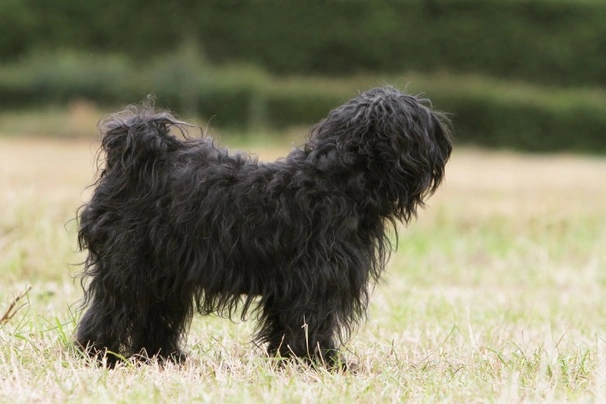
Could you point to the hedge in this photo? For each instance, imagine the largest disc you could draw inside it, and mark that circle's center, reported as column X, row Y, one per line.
column 485, row 112
column 559, row 42
column 546, row 41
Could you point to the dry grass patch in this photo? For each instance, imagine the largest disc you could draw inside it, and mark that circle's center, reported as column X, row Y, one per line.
column 496, row 294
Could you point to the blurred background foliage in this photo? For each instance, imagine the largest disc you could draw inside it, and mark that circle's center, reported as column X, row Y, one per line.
column 521, row 74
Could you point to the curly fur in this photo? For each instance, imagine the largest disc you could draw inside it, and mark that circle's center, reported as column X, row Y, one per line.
column 177, row 225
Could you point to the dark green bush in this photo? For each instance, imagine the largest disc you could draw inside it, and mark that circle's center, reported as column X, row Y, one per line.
column 564, row 120
column 507, row 123
column 546, row 41
column 485, row 112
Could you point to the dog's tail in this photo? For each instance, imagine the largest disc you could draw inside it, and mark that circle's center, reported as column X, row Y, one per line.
column 138, row 136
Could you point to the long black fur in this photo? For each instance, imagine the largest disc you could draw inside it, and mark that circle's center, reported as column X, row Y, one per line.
column 177, row 225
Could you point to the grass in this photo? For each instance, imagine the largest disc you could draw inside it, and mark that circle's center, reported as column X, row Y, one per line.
column 495, row 294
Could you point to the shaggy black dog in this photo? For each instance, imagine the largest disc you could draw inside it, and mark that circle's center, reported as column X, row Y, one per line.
column 177, row 225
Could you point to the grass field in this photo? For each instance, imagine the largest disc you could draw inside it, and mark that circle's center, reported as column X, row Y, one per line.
column 495, row 294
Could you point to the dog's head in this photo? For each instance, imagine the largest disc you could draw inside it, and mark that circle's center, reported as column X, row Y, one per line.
column 396, row 140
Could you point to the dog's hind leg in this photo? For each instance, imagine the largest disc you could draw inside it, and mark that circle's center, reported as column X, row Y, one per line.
column 97, row 334
column 160, row 328
column 132, row 312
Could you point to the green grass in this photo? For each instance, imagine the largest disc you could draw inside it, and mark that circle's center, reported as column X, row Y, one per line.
column 495, row 294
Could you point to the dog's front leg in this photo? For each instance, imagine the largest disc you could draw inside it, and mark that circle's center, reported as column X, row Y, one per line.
column 306, row 332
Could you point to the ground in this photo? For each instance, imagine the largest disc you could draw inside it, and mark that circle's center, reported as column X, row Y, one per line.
column 495, row 294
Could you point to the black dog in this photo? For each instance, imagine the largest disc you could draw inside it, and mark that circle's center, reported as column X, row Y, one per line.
column 178, row 225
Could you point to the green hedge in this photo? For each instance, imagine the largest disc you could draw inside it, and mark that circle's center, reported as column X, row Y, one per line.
column 485, row 112
column 546, row 41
